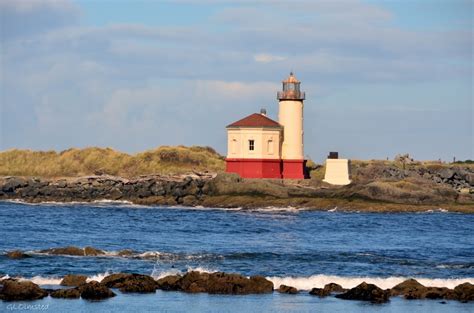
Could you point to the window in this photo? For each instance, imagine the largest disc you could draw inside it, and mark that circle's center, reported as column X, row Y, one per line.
column 270, row 146
column 251, row 145
column 234, row 146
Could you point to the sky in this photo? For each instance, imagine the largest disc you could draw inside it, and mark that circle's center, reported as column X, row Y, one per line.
column 381, row 77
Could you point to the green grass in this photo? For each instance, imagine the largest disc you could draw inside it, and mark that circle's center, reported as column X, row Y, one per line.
column 90, row 161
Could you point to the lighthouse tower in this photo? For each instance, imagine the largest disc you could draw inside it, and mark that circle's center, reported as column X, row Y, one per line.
column 290, row 116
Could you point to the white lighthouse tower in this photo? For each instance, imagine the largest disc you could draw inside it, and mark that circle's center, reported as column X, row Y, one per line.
column 290, row 116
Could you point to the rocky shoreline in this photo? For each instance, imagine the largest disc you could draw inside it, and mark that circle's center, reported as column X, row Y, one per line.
column 375, row 189
column 219, row 283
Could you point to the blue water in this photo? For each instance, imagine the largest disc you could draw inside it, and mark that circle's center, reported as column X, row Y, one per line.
column 303, row 248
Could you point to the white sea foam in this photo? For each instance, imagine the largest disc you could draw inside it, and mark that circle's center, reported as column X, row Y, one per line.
column 41, row 280
column 318, row 281
column 98, row 277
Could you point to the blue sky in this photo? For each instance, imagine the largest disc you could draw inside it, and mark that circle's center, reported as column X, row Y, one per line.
column 382, row 77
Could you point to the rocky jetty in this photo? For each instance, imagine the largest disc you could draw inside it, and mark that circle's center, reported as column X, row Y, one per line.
column 221, row 283
column 375, row 187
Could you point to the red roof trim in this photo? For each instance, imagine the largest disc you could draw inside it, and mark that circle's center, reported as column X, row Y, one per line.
column 255, row 120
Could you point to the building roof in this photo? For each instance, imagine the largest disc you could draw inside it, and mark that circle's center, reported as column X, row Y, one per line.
column 255, row 120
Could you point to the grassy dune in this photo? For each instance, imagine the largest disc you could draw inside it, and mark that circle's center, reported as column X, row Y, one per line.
column 90, row 161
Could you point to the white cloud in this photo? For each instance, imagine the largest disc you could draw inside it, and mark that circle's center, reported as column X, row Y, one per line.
column 267, row 58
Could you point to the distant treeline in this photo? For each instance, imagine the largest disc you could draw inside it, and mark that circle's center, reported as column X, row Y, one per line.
column 464, row 162
column 97, row 161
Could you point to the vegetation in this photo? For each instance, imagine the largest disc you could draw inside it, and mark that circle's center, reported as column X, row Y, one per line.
column 90, row 161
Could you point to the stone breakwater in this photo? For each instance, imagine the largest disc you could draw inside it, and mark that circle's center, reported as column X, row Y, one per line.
column 374, row 189
column 219, row 283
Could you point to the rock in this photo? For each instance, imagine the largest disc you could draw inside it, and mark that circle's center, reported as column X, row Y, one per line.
column 320, row 292
column 13, row 290
column 327, row 290
column 366, row 292
column 73, row 293
column 221, row 283
column 446, row 173
column 409, row 286
column 463, row 293
column 412, row 289
column 287, row 289
column 168, row 283
column 126, row 252
column 13, row 183
column 130, row 282
column 95, row 291
column 73, row 280
column 71, row 250
column 17, row 254
column 93, row 251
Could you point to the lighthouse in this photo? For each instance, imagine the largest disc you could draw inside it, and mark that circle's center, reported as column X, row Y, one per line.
column 259, row 147
column 290, row 117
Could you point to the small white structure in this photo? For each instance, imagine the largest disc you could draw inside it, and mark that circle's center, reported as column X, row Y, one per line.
column 337, row 170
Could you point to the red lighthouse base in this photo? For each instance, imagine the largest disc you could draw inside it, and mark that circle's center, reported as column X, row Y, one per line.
column 294, row 169
column 267, row 168
column 254, row 168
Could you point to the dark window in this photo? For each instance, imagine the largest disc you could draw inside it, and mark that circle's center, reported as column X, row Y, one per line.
column 251, row 145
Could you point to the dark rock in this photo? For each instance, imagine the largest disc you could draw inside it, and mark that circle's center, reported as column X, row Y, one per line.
column 73, row 293
column 13, row 183
column 287, row 289
column 410, row 286
column 169, row 282
column 71, row 250
column 320, row 292
column 90, row 251
column 218, row 283
column 17, row 254
column 130, row 282
column 95, row 291
column 366, row 292
column 327, row 290
column 463, row 293
column 73, row 280
column 126, row 252
column 13, row 290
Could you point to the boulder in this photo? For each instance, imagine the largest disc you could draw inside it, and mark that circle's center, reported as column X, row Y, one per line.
column 407, row 287
column 95, row 291
column 17, row 254
column 73, row 293
column 130, row 282
column 463, row 293
column 168, row 283
column 71, row 250
column 218, row 283
column 327, row 290
column 93, row 251
column 125, row 253
column 366, row 292
column 287, row 289
column 13, row 290
column 73, row 280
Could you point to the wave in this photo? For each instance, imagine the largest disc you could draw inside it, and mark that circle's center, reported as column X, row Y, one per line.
column 95, row 203
column 318, row 281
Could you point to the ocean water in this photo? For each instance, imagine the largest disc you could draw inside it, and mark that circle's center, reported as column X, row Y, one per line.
column 301, row 248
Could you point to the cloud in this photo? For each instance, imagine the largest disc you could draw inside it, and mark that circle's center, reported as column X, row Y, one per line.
column 29, row 17
column 267, row 58
column 134, row 86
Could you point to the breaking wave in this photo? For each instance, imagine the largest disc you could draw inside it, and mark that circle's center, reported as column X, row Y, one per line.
column 318, row 281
